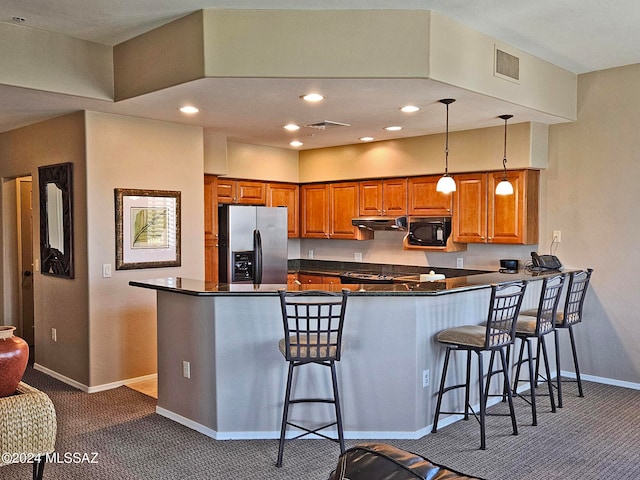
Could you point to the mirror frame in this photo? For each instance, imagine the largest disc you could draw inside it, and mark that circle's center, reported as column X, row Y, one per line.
column 56, row 263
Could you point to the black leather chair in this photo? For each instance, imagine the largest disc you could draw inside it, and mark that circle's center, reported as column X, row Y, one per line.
column 379, row 461
column 313, row 322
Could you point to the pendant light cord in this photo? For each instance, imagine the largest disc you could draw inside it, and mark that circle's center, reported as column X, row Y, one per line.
column 504, row 158
column 447, row 101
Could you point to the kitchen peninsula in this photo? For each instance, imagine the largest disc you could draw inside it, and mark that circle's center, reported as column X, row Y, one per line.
column 220, row 371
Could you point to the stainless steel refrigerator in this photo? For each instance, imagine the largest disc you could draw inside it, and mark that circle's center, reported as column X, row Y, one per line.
column 252, row 244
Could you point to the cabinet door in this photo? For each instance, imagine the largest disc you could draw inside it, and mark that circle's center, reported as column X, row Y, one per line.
column 314, row 203
column 226, row 190
column 210, row 229
column 394, row 197
column 425, row 200
column 371, row 198
column 343, row 201
column 251, row 193
column 286, row 195
column 513, row 218
column 470, row 208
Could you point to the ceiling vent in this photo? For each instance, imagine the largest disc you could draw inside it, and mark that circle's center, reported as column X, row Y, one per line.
column 507, row 66
column 326, row 124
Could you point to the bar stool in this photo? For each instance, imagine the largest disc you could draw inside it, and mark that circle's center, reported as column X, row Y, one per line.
column 499, row 332
column 528, row 328
column 312, row 335
column 571, row 314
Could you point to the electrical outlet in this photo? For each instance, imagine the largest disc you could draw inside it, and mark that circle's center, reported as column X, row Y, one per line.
column 459, row 262
column 186, row 369
column 425, row 378
column 357, row 256
column 557, row 236
column 54, row 335
column 310, row 254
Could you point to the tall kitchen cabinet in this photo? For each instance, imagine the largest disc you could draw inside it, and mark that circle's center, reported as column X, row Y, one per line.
column 327, row 211
column 481, row 216
column 383, row 197
column 286, row 195
column 210, row 229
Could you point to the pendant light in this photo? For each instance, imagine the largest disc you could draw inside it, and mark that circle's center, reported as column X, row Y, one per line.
column 446, row 184
column 505, row 187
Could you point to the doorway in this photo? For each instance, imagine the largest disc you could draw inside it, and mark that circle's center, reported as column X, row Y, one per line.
column 25, row 261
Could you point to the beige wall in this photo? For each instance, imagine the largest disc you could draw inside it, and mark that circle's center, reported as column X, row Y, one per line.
column 316, row 43
column 126, row 152
column 591, row 195
column 470, row 150
column 56, row 62
column 58, row 303
column 464, row 57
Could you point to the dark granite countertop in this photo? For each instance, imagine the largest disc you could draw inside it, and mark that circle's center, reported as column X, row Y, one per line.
column 335, row 268
column 194, row 287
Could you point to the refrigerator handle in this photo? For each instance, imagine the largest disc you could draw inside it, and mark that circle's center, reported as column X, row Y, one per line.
column 257, row 249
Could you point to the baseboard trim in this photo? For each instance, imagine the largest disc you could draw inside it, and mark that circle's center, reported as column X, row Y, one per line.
column 62, row 378
column 86, row 388
column 198, row 427
column 603, row 380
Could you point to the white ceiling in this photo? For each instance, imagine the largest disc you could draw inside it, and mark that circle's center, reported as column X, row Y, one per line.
column 578, row 35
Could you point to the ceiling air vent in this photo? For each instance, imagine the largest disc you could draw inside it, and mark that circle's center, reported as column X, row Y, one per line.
column 325, row 124
column 507, row 66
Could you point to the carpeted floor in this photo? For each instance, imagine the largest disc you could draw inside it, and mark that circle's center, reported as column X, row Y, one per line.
column 594, row 437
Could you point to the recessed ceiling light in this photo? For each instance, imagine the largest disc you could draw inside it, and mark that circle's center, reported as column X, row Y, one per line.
column 409, row 108
column 367, row 139
column 312, row 97
column 393, row 128
column 292, row 127
column 296, row 143
column 189, row 109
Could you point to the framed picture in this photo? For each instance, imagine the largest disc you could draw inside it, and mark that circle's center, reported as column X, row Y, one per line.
column 147, row 228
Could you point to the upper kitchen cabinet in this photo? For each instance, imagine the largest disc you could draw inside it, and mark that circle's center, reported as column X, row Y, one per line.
column 210, row 229
column 286, row 195
column 327, row 211
column 481, row 216
column 425, row 200
column 383, row 197
column 243, row 192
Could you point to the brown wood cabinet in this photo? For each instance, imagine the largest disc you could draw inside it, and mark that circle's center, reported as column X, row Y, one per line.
column 210, row 229
column 327, row 211
column 425, row 200
column 312, row 278
column 286, row 195
column 481, row 216
column 243, row 192
column 383, row 197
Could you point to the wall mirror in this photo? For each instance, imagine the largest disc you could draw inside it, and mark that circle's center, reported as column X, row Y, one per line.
column 56, row 220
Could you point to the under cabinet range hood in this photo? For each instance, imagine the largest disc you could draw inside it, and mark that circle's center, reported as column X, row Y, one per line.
column 380, row 223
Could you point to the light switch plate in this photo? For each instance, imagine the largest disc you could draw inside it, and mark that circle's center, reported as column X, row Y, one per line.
column 106, row 270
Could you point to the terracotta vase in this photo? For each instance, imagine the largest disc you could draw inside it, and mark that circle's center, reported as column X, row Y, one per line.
column 14, row 354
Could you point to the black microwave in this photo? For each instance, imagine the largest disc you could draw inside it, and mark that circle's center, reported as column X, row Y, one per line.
column 429, row 231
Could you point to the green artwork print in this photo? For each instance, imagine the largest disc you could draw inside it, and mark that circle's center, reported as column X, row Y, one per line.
column 149, row 227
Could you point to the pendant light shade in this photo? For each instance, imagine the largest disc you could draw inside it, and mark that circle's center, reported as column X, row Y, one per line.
column 505, row 187
column 446, row 184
